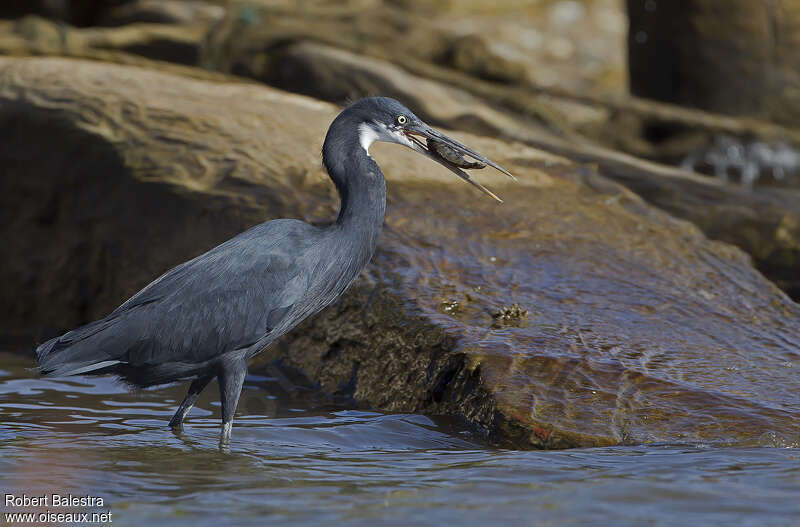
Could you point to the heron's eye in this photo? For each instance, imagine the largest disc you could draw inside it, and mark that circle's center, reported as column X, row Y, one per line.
column 402, row 119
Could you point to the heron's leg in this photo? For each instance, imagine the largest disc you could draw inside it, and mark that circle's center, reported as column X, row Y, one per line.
column 231, row 378
column 195, row 388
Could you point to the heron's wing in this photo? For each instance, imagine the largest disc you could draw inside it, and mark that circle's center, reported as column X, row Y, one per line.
column 230, row 297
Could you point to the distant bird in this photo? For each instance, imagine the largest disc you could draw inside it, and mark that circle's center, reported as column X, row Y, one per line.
column 207, row 317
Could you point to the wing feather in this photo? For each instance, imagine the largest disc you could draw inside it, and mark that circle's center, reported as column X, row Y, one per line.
column 227, row 298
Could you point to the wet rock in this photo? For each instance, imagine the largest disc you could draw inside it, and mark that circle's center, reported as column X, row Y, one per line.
column 761, row 221
column 639, row 328
column 513, row 315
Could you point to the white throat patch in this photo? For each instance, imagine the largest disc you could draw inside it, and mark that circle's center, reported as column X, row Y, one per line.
column 366, row 136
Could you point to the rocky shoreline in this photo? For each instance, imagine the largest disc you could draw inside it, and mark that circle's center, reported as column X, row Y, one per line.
column 638, row 328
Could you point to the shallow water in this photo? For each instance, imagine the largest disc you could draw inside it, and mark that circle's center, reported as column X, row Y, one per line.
column 295, row 460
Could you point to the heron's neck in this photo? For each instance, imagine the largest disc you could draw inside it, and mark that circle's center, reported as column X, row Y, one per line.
column 357, row 177
column 361, row 187
column 363, row 200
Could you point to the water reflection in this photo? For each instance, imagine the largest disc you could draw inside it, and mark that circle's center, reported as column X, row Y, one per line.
column 303, row 462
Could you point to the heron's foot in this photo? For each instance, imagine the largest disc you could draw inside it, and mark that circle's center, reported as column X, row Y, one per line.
column 188, row 402
column 177, row 420
column 231, row 379
column 176, row 424
column 178, row 432
column 225, row 436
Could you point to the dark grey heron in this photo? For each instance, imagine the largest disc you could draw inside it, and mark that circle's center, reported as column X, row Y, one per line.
column 207, row 317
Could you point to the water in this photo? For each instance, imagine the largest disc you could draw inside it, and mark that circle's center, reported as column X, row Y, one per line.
column 296, row 460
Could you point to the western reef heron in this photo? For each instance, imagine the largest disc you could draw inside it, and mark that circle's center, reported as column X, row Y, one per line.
column 207, row 317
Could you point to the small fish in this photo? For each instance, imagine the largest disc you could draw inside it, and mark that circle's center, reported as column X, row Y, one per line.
column 451, row 155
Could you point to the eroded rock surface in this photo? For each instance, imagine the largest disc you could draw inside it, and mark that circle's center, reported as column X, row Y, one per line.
column 638, row 328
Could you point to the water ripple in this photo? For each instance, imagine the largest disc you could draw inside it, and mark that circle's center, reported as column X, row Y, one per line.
column 303, row 462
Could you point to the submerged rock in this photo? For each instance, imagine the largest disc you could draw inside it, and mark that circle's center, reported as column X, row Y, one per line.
column 513, row 315
column 638, row 327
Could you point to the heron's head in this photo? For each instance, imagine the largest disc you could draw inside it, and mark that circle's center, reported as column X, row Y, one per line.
column 385, row 119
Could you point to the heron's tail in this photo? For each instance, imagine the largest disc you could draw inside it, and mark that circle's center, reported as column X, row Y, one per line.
column 83, row 350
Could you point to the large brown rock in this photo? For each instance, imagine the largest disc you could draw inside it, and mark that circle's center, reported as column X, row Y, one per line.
column 638, row 328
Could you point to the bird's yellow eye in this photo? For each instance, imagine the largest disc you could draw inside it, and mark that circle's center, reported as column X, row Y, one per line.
column 402, row 119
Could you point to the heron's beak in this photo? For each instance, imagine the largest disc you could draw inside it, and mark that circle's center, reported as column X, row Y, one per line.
column 416, row 130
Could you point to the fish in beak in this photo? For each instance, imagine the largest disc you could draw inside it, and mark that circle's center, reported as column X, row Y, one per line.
column 450, row 153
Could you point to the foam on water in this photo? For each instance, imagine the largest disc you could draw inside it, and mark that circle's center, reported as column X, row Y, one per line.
column 729, row 158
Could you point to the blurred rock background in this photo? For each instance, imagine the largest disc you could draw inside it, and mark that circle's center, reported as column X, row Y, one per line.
column 695, row 86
